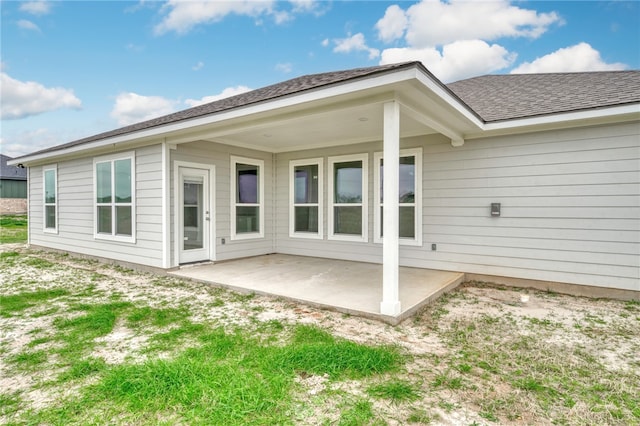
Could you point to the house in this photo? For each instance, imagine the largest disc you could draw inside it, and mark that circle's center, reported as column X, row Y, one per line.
column 13, row 188
column 512, row 178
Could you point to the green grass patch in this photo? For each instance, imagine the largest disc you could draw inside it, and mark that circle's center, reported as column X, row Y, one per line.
column 156, row 317
column 13, row 229
column 222, row 378
column 361, row 413
column 15, row 303
column 395, row 390
column 9, row 403
column 29, row 360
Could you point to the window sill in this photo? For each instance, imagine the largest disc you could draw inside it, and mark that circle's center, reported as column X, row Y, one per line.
column 114, row 238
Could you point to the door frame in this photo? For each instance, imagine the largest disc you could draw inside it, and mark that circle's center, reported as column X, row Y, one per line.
column 176, row 207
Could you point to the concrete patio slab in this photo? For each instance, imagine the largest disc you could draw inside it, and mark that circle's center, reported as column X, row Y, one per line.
column 349, row 287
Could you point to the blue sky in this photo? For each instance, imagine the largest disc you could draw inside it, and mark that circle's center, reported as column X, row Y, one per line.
column 72, row 69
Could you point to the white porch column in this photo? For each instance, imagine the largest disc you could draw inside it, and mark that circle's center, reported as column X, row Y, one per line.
column 390, row 304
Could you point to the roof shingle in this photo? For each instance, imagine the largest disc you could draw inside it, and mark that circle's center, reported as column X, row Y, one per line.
column 506, row 97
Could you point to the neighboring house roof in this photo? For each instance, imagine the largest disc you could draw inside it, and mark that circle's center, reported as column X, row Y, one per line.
column 11, row 172
column 491, row 98
column 506, row 97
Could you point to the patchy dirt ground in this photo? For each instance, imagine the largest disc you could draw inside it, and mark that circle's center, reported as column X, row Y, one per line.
column 480, row 355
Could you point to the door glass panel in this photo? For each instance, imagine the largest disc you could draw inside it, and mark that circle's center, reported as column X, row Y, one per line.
column 193, row 225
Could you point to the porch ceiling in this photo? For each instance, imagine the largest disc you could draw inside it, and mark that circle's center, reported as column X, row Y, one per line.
column 361, row 123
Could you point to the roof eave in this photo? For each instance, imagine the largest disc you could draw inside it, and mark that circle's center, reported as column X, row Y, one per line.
column 412, row 71
column 593, row 116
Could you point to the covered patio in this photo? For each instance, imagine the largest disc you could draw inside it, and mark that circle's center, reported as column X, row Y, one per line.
column 345, row 286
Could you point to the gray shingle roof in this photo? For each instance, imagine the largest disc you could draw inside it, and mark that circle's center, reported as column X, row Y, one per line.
column 285, row 88
column 11, row 172
column 505, row 97
column 491, row 97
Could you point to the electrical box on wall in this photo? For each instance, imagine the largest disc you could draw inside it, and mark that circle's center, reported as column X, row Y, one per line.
column 495, row 209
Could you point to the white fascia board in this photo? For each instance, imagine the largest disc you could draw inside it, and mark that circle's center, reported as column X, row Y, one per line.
column 633, row 111
column 264, row 106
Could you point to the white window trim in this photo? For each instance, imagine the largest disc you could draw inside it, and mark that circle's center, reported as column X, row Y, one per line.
column 261, row 180
column 45, row 169
column 292, row 205
column 364, row 237
column 112, row 159
column 377, row 228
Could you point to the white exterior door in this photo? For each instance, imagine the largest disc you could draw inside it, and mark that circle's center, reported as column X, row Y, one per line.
column 194, row 215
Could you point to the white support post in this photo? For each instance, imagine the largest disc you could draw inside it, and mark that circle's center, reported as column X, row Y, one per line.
column 390, row 304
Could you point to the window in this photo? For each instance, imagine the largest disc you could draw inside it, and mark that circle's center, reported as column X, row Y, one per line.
column 50, row 198
column 348, row 198
column 114, row 197
column 409, row 194
column 247, row 203
column 305, row 198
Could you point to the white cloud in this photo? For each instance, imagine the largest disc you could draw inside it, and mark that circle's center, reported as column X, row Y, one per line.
column 132, row 108
column 226, row 93
column 28, row 25
column 24, row 98
column 198, row 66
column 284, row 67
column 24, row 142
column 392, row 25
column 355, row 43
column 36, row 7
column 325, row 42
column 581, row 57
column 433, row 23
column 452, row 38
column 182, row 16
column 458, row 60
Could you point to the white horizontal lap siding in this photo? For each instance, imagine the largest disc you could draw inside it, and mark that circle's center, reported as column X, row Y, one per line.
column 570, row 207
column 76, row 215
column 218, row 155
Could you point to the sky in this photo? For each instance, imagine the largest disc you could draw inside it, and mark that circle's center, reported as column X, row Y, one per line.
column 71, row 69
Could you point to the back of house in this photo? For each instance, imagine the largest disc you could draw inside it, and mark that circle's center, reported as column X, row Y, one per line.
column 530, row 180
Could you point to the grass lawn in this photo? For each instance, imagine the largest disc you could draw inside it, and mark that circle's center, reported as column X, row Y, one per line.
column 87, row 343
column 13, row 229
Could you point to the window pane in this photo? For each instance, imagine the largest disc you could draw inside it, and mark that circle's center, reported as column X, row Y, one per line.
column 247, row 183
column 50, row 217
column 348, row 182
column 103, row 182
column 407, row 222
column 347, row 220
column 306, row 219
column 123, row 180
column 123, row 220
column 50, row 186
column 104, row 219
column 247, row 219
column 306, row 184
column 407, row 180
